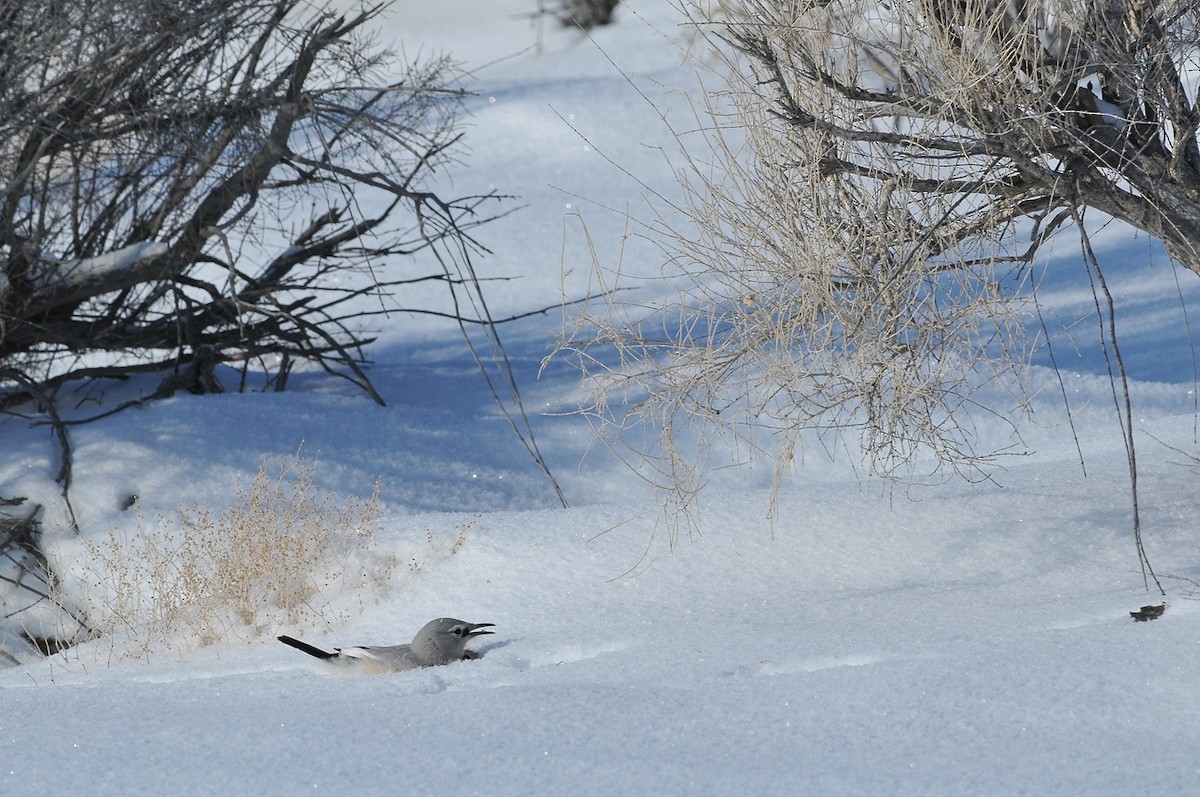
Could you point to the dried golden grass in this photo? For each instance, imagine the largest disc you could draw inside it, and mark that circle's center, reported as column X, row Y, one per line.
column 283, row 554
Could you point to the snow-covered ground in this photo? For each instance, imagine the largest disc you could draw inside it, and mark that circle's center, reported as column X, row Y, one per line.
column 942, row 639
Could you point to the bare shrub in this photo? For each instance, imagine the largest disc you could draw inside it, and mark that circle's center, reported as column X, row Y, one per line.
column 30, row 588
column 186, row 185
column 865, row 200
column 189, row 184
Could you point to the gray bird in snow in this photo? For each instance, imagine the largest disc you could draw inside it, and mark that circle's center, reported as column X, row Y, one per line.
column 440, row 641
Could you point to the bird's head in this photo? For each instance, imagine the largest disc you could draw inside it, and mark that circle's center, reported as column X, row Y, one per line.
column 445, row 639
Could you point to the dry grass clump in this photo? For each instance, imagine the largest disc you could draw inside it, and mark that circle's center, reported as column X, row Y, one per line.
column 584, row 14
column 280, row 555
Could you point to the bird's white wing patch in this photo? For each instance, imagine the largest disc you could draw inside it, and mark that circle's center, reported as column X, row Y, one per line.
column 361, row 661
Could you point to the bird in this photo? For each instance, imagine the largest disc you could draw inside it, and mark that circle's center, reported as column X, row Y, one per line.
column 439, row 641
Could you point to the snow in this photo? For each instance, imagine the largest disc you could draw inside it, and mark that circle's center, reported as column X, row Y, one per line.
column 73, row 271
column 942, row 638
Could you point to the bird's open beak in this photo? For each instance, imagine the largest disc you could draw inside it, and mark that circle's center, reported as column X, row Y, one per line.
column 476, row 632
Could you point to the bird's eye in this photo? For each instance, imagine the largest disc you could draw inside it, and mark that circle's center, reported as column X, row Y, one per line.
column 458, row 630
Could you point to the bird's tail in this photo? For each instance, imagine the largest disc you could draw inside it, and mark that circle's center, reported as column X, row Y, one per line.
column 307, row 648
